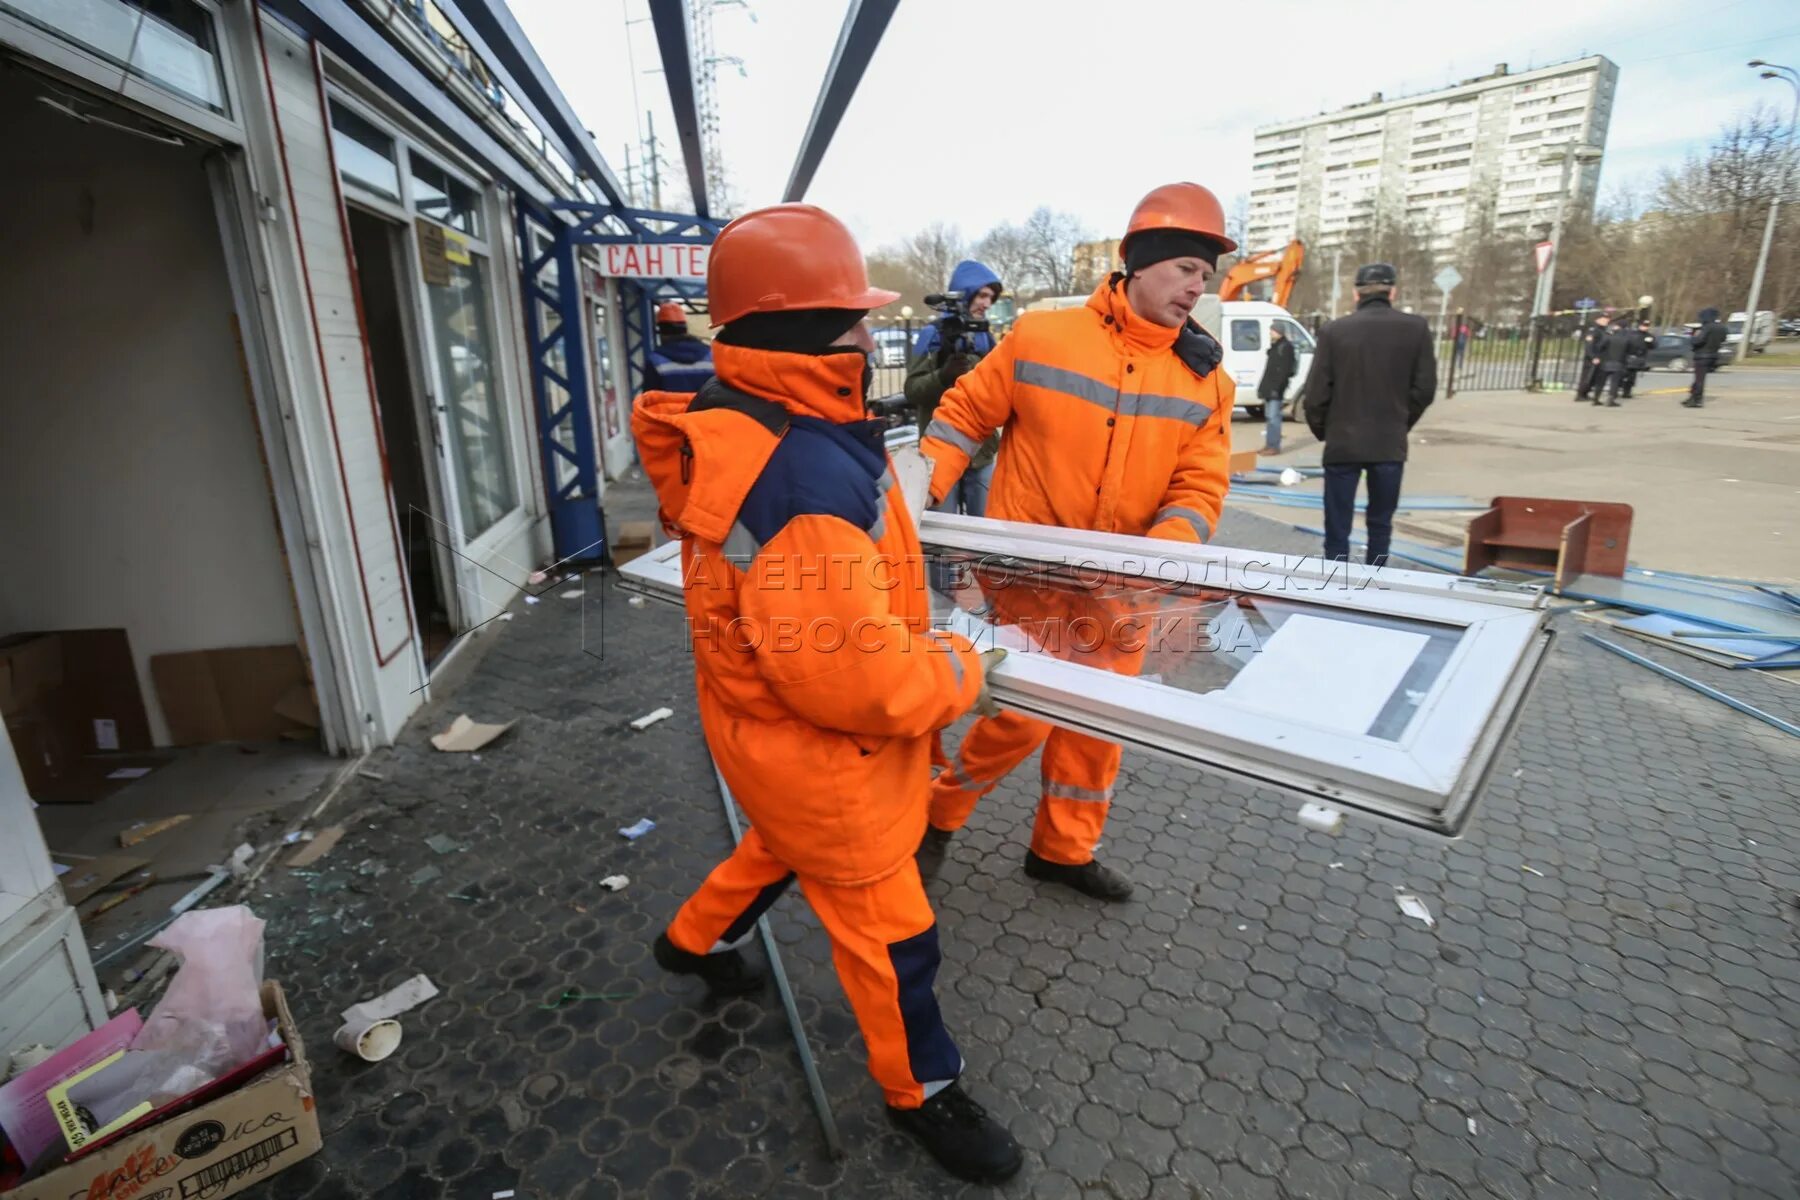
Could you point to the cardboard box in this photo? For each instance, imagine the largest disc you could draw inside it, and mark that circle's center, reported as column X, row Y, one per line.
column 45, row 757
column 227, row 695
column 634, row 539
column 30, row 668
column 69, row 693
column 103, row 705
column 216, row 1149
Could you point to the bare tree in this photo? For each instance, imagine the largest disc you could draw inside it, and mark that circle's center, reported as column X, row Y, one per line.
column 1237, row 223
column 1006, row 249
column 933, row 252
column 1049, row 240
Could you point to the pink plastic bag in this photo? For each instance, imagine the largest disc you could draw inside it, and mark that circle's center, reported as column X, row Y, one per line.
column 211, row 1018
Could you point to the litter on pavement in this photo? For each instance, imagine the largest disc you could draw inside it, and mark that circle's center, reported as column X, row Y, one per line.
column 1321, row 817
column 651, row 718
column 613, row 883
column 370, row 1031
column 465, row 735
column 638, row 830
column 1415, row 908
column 443, row 844
column 318, row 848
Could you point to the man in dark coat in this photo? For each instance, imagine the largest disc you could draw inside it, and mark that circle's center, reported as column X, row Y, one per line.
column 1614, row 349
column 1637, row 356
column 1707, row 342
column 1593, row 341
column 1373, row 375
column 1278, row 371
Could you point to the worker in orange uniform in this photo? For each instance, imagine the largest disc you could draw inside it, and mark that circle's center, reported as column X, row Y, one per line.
column 820, row 678
column 681, row 362
column 1117, row 420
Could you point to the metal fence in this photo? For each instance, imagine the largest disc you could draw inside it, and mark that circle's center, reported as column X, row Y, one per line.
column 1473, row 355
column 893, row 350
column 1543, row 354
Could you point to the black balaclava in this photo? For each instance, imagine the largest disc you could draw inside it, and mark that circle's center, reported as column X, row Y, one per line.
column 807, row 331
column 1708, row 315
column 1151, row 246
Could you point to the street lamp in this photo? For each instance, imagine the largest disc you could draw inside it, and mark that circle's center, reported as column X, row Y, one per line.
column 1569, row 153
column 1792, row 78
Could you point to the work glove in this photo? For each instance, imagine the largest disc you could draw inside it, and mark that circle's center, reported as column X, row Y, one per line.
column 955, row 367
column 985, row 704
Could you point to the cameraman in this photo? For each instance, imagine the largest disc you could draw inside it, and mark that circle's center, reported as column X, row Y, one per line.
column 945, row 350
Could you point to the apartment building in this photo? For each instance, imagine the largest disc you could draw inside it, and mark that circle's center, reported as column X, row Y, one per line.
column 1483, row 148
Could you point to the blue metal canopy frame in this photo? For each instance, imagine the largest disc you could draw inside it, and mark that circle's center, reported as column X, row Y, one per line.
column 554, row 323
column 670, row 18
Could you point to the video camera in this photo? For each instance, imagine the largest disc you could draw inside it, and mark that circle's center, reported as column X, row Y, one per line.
column 956, row 326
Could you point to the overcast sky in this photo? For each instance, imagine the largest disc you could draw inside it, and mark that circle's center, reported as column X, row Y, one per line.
column 976, row 113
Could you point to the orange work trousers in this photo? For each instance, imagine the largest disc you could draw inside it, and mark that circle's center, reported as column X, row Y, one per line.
column 883, row 942
column 1078, row 779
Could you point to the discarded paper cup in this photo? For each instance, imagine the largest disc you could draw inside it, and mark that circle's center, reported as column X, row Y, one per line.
column 370, row 1041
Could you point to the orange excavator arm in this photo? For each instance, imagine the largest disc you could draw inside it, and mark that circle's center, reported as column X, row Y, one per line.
column 1283, row 266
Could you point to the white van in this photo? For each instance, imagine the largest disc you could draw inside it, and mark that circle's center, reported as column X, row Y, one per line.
column 1242, row 327
column 1761, row 333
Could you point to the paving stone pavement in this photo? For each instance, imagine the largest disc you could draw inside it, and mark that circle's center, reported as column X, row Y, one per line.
column 1261, row 1021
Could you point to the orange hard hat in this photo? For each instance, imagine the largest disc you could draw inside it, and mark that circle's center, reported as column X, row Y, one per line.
column 786, row 258
column 1181, row 206
column 671, row 313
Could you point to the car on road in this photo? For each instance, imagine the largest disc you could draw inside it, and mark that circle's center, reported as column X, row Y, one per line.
column 1675, row 352
column 891, row 346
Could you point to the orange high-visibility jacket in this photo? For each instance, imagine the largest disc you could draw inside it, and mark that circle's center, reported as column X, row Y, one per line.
column 818, row 673
column 1105, row 427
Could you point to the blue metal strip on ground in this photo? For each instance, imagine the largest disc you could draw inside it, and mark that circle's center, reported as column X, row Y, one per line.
column 1257, row 493
column 1405, row 551
column 1769, row 589
column 1748, row 710
column 821, row 1103
column 1642, row 597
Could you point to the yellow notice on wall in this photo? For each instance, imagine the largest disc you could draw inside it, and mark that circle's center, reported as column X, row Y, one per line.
column 456, row 248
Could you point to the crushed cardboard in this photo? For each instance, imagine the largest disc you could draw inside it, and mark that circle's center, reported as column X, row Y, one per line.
column 228, row 695
column 318, row 848
column 465, row 735
column 143, row 831
column 89, row 874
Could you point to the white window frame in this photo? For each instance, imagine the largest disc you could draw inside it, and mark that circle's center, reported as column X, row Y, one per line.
column 1427, row 779
column 493, row 219
column 83, row 64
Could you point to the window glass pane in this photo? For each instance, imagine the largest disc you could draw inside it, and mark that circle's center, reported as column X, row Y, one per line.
column 611, row 416
column 1246, row 335
column 1265, row 652
column 1302, row 340
column 365, row 155
column 459, row 317
column 166, row 42
column 443, row 199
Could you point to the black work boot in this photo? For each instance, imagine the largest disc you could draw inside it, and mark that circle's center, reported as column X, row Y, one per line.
column 726, row 973
column 932, row 849
column 1102, row 883
column 958, row 1132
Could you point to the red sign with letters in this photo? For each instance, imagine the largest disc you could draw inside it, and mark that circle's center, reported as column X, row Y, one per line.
column 654, row 260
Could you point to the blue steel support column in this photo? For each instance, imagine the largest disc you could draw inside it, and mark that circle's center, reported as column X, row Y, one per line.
column 639, row 320
column 559, row 383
